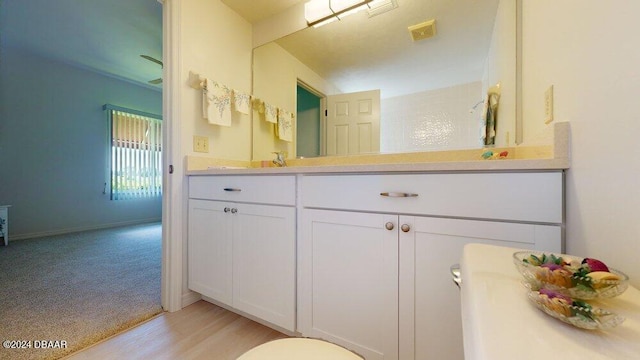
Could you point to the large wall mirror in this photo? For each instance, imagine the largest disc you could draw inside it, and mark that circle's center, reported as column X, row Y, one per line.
column 407, row 95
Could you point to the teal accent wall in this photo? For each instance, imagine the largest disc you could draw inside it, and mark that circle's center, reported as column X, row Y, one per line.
column 308, row 124
column 53, row 139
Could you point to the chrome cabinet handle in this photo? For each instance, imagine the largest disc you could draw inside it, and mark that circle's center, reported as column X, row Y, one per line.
column 232, row 189
column 227, row 209
column 405, row 227
column 234, row 210
column 397, row 194
column 389, row 226
column 455, row 274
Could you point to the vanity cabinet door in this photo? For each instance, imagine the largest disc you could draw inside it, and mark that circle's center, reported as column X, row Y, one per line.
column 430, row 320
column 210, row 249
column 264, row 253
column 242, row 244
column 348, row 281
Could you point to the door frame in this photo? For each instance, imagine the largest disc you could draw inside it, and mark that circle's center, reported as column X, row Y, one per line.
column 172, row 200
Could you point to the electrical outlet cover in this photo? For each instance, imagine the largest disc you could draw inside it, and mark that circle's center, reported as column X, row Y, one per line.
column 201, row 144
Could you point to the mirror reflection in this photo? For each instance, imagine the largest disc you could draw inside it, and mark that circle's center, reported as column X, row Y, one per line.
column 383, row 90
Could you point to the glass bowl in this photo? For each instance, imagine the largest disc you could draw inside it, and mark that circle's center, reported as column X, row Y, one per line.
column 566, row 279
column 584, row 317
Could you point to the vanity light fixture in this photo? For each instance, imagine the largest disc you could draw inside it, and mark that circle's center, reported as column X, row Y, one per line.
column 321, row 12
column 378, row 7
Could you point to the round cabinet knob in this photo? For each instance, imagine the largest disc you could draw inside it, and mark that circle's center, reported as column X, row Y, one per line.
column 234, row 210
column 405, row 227
column 389, row 225
column 227, row 209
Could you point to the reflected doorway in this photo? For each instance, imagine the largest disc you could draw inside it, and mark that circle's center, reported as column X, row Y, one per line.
column 309, row 135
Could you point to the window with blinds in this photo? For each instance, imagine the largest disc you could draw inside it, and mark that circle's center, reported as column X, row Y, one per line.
column 136, row 153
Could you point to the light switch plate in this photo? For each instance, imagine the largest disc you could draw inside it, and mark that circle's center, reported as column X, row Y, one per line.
column 201, row 144
column 548, row 105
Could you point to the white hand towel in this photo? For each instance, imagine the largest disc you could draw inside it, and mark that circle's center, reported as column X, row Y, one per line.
column 241, row 102
column 257, row 105
column 218, row 103
column 285, row 125
column 205, row 100
column 270, row 113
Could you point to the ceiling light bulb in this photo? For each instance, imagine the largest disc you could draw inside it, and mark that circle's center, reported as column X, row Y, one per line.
column 319, row 12
column 316, row 9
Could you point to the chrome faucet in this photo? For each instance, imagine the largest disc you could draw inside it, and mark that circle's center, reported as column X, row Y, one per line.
column 279, row 161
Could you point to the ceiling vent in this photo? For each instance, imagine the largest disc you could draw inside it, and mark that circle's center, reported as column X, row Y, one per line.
column 423, row 30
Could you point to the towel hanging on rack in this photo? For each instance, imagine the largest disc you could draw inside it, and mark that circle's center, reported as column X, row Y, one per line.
column 270, row 113
column 216, row 103
column 257, row 105
column 241, row 102
column 491, row 119
column 285, row 125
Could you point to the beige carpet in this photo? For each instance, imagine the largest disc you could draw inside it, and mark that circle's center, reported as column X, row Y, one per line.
column 78, row 288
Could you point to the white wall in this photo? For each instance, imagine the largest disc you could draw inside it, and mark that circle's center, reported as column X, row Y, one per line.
column 279, row 25
column 440, row 119
column 432, row 120
column 53, row 146
column 216, row 43
column 589, row 51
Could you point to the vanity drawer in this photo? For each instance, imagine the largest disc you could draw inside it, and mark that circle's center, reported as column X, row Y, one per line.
column 276, row 190
column 531, row 197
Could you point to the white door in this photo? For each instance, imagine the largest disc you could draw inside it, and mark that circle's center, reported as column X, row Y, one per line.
column 353, row 123
column 209, row 249
column 349, row 281
column 264, row 262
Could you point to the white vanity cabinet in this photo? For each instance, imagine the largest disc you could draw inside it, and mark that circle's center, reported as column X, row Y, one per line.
column 210, row 250
column 349, row 281
column 430, row 320
column 375, row 252
column 241, row 247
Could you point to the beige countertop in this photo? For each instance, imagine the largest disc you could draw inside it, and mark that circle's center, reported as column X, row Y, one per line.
column 551, row 156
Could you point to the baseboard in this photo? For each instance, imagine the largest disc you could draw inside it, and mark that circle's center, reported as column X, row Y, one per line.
column 251, row 317
column 79, row 229
column 190, row 298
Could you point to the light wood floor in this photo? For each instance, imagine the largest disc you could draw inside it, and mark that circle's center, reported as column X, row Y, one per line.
column 199, row 331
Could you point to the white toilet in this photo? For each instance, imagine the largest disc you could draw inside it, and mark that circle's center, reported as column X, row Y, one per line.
column 299, row 349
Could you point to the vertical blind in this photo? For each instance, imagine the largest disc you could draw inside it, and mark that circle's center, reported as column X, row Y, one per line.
column 136, row 155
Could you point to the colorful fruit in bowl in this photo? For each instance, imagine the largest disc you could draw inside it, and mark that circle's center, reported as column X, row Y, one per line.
column 551, row 266
column 555, row 275
column 595, row 265
column 580, row 278
column 572, row 311
column 565, row 305
column 543, row 259
column 597, row 276
column 553, row 294
column 556, row 302
column 602, row 279
column 593, row 274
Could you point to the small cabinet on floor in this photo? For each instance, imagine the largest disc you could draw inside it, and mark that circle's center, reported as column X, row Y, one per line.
column 242, row 253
